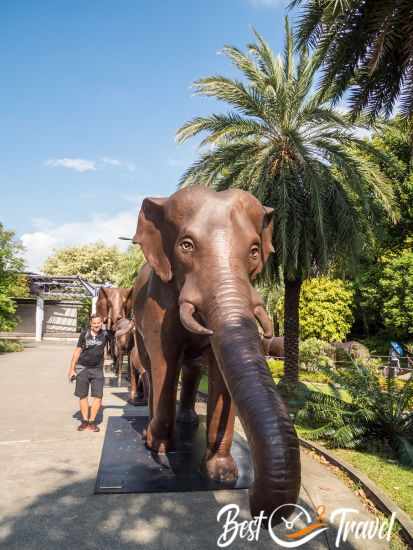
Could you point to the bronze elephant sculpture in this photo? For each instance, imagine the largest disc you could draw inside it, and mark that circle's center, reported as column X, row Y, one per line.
column 125, row 344
column 274, row 346
column 114, row 304
column 194, row 304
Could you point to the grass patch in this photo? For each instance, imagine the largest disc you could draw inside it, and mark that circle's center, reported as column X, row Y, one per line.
column 8, row 346
column 395, row 480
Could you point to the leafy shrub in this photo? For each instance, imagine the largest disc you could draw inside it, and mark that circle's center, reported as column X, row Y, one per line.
column 315, row 354
column 7, row 346
column 276, row 367
column 325, row 309
column 373, row 413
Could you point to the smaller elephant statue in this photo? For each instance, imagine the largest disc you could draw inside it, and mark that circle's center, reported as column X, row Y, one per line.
column 126, row 344
column 114, row 304
column 274, row 346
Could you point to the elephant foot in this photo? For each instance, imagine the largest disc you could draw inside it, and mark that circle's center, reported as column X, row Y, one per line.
column 187, row 416
column 158, row 444
column 219, row 468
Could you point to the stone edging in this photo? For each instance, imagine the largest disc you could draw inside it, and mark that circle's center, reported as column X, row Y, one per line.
column 381, row 501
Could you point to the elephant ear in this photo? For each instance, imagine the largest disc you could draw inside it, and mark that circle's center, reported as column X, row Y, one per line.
column 266, row 234
column 102, row 307
column 149, row 234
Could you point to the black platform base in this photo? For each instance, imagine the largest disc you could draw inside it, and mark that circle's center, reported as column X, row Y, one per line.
column 127, row 466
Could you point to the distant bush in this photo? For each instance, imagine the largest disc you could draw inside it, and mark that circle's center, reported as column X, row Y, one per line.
column 315, row 354
column 8, row 346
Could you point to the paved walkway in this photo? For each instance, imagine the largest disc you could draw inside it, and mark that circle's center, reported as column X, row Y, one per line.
column 48, row 471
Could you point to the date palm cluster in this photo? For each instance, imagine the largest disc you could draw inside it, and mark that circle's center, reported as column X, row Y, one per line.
column 365, row 46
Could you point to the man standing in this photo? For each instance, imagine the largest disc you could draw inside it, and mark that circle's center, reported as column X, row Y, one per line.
column 87, row 367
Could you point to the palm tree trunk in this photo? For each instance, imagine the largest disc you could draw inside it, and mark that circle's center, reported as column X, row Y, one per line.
column 291, row 330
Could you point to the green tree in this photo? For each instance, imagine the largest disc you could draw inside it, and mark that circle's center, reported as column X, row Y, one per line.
column 97, row 262
column 396, row 283
column 393, row 139
column 364, row 45
column 286, row 145
column 130, row 264
column 11, row 281
column 326, row 309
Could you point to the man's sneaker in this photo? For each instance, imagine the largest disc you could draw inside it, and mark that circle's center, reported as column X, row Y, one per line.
column 93, row 427
column 83, row 426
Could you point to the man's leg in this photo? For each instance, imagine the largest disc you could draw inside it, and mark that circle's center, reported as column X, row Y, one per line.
column 96, row 404
column 97, row 381
column 84, row 408
column 81, row 391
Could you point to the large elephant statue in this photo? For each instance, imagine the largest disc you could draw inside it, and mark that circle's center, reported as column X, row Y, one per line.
column 113, row 305
column 194, row 304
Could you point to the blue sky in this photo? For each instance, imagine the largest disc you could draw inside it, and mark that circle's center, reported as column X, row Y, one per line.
column 92, row 94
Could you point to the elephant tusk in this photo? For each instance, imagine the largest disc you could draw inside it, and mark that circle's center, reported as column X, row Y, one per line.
column 186, row 313
column 262, row 317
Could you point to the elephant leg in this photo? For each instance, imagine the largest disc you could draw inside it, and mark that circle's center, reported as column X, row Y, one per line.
column 218, row 463
column 164, row 381
column 119, row 361
column 133, row 376
column 191, row 376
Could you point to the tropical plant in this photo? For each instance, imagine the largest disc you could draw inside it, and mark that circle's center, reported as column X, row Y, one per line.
column 364, row 45
column 289, row 148
column 128, row 267
column 375, row 413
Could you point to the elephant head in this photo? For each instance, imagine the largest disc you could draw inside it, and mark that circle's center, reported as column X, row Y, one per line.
column 114, row 304
column 210, row 246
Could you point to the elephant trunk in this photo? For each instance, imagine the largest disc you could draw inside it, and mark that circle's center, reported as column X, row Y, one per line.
column 270, row 433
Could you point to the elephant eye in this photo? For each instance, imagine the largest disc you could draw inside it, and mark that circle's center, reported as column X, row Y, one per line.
column 254, row 252
column 186, row 245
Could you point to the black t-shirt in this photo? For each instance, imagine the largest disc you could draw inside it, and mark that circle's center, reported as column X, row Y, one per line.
column 93, row 348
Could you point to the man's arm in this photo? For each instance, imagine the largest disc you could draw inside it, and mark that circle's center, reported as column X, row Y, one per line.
column 75, row 358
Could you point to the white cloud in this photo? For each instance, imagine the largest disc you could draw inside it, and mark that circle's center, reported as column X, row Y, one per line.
column 85, row 165
column 40, row 243
column 119, row 163
column 80, row 165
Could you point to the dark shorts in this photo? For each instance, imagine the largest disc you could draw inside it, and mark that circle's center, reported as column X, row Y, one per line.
column 90, row 376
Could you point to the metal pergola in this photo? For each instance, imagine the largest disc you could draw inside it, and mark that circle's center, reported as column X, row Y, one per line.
column 70, row 287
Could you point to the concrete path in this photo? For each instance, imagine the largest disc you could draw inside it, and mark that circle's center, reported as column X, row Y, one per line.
column 48, row 471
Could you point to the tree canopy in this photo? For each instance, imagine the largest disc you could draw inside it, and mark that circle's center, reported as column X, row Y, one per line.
column 96, row 262
column 365, row 46
column 12, row 283
column 286, row 145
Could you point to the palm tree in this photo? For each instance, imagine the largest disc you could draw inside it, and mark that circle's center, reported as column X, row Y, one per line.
column 286, row 146
column 363, row 44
